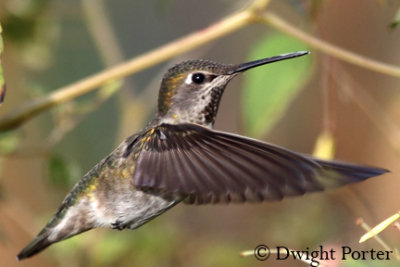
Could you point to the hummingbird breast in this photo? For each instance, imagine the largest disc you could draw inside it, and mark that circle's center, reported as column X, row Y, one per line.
column 113, row 201
column 128, row 208
column 106, row 197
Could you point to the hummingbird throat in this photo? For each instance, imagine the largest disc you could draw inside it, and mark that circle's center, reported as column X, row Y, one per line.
column 196, row 105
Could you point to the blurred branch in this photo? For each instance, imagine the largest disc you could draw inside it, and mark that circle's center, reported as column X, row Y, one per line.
column 101, row 30
column 30, row 109
column 382, row 121
column 225, row 26
column 335, row 51
column 325, row 146
column 380, row 227
column 368, row 229
column 64, row 123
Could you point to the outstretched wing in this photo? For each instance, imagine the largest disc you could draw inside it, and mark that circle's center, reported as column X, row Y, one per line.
column 209, row 166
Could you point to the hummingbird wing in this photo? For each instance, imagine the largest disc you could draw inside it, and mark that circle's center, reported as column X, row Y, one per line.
column 209, row 166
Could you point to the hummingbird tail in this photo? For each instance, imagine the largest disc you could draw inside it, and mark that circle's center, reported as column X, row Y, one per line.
column 52, row 233
column 67, row 222
column 40, row 242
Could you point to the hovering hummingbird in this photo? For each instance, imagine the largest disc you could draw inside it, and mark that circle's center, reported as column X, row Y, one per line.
column 179, row 157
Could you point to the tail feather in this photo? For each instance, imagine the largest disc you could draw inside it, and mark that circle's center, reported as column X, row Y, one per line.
column 45, row 238
column 341, row 173
column 39, row 243
column 67, row 222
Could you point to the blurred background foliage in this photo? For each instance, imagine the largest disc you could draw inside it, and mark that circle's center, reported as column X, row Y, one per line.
column 51, row 43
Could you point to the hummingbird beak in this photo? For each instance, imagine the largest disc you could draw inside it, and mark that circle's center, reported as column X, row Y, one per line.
column 256, row 63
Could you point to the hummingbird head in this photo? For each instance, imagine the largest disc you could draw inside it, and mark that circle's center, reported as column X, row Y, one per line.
column 190, row 92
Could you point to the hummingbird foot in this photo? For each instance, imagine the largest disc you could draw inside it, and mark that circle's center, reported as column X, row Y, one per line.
column 118, row 225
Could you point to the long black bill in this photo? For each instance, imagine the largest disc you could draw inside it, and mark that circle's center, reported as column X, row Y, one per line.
column 256, row 63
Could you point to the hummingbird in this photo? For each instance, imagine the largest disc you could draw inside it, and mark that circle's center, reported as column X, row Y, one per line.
column 179, row 157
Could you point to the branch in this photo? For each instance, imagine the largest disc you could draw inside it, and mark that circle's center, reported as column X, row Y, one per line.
column 30, row 109
column 225, row 26
column 335, row 51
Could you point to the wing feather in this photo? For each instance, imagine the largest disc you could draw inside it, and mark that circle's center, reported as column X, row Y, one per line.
column 208, row 166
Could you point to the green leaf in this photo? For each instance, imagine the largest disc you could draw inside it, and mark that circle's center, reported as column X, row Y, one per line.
column 269, row 90
column 396, row 20
column 9, row 142
column 62, row 172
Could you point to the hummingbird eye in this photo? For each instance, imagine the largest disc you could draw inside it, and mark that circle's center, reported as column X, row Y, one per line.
column 198, row 78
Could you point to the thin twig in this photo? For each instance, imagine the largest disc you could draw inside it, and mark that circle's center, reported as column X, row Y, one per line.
column 28, row 110
column 101, row 30
column 380, row 227
column 105, row 41
column 367, row 228
column 382, row 121
column 334, row 51
column 225, row 26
